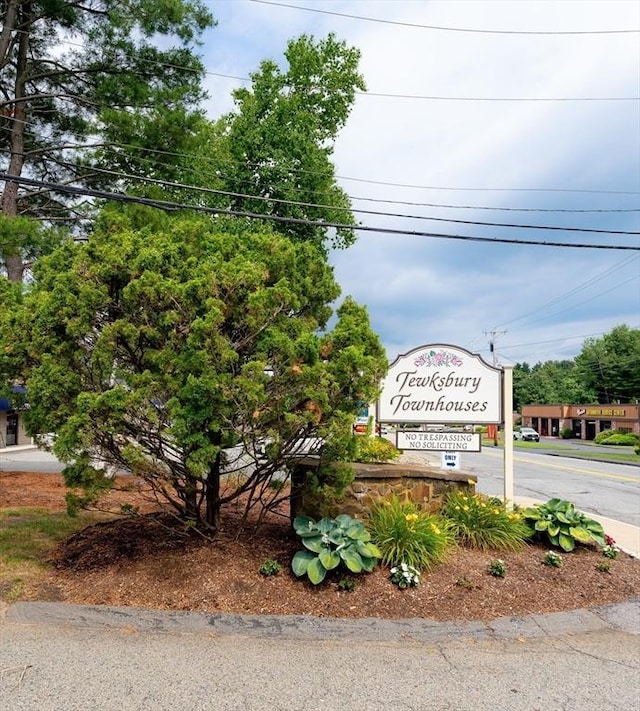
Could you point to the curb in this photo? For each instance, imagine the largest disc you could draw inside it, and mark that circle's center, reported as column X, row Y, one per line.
column 18, row 448
column 623, row 617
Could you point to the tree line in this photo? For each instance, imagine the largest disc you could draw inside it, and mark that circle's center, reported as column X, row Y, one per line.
column 607, row 370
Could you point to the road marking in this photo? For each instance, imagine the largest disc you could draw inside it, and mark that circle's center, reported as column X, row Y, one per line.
column 588, row 472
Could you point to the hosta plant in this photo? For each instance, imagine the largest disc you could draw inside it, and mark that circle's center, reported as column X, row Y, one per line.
column 330, row 543
column 563, row 525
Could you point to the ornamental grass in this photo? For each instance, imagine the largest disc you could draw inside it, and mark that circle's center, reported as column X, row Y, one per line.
column 405, row 534
column 485, row 523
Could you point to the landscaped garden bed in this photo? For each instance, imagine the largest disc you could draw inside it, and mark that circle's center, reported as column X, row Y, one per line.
column 152, row 562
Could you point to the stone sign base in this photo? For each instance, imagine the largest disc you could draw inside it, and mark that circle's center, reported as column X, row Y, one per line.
column 425, row 486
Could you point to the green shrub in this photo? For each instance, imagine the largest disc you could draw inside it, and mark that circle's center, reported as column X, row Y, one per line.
column 627, row 439
column 327, row 485
column 617, row 438
column 482, row 522
column 330, row 543
column 375, row 449
column 567, row 433
column 602, row 436
column 405, row 534
column 346, row 584
column 563, row 525
column 552, row 559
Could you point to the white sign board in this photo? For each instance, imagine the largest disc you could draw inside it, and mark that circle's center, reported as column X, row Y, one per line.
column 441, row 384
column 450, row 460
column 449, row 441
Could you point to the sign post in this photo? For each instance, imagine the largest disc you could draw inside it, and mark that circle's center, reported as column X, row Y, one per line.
column 507, row 393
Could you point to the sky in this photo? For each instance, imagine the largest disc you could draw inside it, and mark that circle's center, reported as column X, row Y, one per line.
column 482, row 125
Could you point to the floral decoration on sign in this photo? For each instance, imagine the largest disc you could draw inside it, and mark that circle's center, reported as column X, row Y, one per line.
column 438, row 358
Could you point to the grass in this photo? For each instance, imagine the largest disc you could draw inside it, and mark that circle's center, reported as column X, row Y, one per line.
column 27, row 535
column 623, row 455
column 590, row 451
column 479, row 521
column 405, row 534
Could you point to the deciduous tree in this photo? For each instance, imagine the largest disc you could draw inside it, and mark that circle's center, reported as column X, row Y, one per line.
column 274, row 151
column 611, row 365
column 548, row 383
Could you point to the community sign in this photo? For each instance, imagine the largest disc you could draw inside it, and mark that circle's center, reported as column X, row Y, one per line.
column 441, row 384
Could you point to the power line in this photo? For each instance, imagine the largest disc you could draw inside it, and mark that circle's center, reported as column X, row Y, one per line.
column 172, row 206
column 298, row 203
column 390, row 95
column 586, row 301
column 399, row 185
column 444, row 28
column 491, row 190
column 575, row 290
column 497, row 209
column 631, row 359
column 552, row 340
column 424, row 97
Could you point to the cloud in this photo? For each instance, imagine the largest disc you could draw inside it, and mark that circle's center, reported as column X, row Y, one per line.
column 544, row 155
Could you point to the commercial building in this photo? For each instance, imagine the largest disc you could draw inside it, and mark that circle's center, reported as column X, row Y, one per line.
column 12, row 430
column 584, row 421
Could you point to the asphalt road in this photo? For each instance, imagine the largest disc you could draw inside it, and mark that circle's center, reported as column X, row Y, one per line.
column 601, row 488
column 29, row 460
column 64, row 658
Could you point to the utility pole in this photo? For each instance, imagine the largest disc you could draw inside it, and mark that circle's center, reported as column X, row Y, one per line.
column 492, row 343
column 492, row 348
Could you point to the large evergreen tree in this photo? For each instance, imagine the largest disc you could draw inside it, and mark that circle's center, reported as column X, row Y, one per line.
column 85, row 86
column 186, row 351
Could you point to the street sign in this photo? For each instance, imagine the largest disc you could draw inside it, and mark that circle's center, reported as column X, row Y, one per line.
column 450, row 460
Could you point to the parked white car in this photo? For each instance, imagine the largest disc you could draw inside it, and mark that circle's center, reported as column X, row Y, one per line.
column 526, row 434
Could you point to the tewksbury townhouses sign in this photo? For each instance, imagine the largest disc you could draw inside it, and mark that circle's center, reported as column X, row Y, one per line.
column 441, row 384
